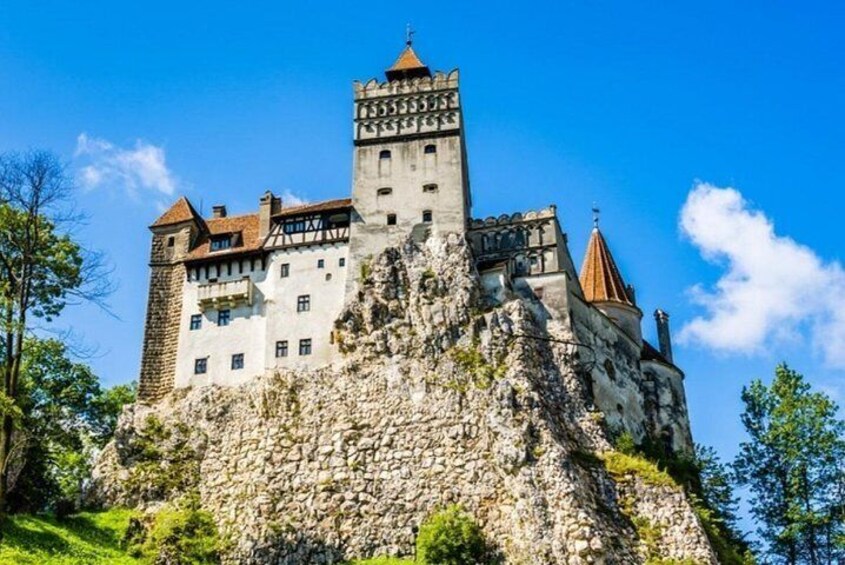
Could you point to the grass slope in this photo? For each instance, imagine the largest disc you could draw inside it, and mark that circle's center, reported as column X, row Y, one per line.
column 86, row 538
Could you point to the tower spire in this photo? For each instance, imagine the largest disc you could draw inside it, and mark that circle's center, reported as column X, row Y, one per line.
column 408, row 65
column 409, row 35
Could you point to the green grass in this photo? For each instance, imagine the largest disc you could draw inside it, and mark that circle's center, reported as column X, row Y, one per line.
column 382, row 561
column 621, row 466
column 86, row 538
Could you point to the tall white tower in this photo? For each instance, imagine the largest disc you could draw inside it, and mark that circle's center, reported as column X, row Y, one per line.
column 409, row 165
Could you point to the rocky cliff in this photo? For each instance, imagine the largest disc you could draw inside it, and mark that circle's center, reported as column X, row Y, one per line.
column 440, row 399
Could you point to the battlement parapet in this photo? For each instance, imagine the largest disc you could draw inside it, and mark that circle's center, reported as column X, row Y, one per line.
column 515, row 218
column 375, row 89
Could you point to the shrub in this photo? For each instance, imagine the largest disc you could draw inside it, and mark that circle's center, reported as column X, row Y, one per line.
column 183, row 534
column 450, row 537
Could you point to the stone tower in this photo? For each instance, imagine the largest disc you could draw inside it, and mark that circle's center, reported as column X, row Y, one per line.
column 409, row 164
column 173, row 234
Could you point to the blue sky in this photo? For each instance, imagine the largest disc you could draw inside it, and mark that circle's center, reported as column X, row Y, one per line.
column 629, row 106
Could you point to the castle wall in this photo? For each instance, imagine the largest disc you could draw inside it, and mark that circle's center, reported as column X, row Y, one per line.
column 272, row 316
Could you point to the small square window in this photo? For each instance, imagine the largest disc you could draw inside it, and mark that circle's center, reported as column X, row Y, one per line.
column 282, row 348
column 200, row 366
column 220, row 243
column 426, row 217
column 341, row 262
column 196, row 321
column 303, row 303
column 391, row 219
column 321, row 263
column 171, row 241
column 223, row 317
column 305, row 347
column 285, row 270
column 237, row 361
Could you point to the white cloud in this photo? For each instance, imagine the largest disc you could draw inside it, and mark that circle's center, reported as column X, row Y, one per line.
column 142, row 167
column 773, row 290
column 290, row 199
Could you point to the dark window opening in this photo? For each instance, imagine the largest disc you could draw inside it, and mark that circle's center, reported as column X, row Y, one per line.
column 303, row 303
column 426, row 216
column 384, row 154
column 391, row 219
column 171, row 241
column 429, row 188
column 305, row 347
column 321, row 263
column 237, row 361
column 219, row 243
column 200, row 366
column 429, row 149
column 282, row 348
column 384, row 191
column 610, row 369
column 196, row 321
column 328, row 276
column 285, row 270
column 341, row 262
column 223, row 317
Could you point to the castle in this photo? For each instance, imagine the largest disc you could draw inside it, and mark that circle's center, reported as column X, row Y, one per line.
column 233, row 297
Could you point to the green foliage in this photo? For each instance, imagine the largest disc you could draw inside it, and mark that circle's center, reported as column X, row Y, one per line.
column 165, row 464
column 450, row 537
column 622, row 466
column 729, row 548
column 64, row 417
column 472, row 362
column 793, row 467
column 625, row 443
column 82, row 539
column 382, row 561
column 182, row 533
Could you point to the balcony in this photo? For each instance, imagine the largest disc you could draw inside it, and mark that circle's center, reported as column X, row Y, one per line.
column 229, row 294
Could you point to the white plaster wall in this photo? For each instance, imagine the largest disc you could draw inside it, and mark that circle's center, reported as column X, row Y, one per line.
column 285, row 323
column 244, row 334
column 253, row 330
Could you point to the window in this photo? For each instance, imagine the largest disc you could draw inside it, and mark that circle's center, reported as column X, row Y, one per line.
column 341, row 262
column 285, row 270
column 429, row 188
column 223, row 317
column 384, row 191
column 282, row 348
column 237, row 361
column 328, row 277
column 200, row 366
column 171, row 241
column 305, row 347
column 384, row 154
column 196, row 321
column 219, row 243
column 303, row 303
column 427, row 216
column 391, row 219
column 321, row 263
column 429, row 149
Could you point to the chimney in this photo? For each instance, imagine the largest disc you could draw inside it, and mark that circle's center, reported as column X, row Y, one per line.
column 218, row 211
column 268, row 205
column 664, row 338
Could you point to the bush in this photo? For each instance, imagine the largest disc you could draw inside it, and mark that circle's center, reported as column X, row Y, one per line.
column 450, row 537
column 181, row 534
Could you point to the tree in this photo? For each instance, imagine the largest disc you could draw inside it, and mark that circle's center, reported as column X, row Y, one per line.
column 792, row 465
column 42, row 269
column 716, row 487
column 65, row 417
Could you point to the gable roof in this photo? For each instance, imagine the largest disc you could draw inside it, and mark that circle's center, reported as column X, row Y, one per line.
column 181, row 211
column 310, row 207
column 408, row 65
column 600, row 278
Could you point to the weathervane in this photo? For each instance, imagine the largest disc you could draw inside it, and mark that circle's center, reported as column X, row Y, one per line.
column 409, row 35
column 596, row 213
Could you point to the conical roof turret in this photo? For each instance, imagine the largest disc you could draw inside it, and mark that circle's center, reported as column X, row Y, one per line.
column 408, row 65
column 600, row 278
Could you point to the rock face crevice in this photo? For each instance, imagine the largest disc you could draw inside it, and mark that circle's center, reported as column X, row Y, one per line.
column 437, row 401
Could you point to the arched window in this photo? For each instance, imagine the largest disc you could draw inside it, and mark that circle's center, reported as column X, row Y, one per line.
column 426, row 216
column 430, row 187
column 384, row 191
column 384, row 154
column 429, row 149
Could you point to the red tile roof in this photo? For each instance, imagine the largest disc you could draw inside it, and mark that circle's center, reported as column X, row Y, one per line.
column 245, row 226
column 408, row 59
column 309, row 208
column 181, row 211
column 600, row 278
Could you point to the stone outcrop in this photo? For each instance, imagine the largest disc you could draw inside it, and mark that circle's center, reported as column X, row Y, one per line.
column 436, row 402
